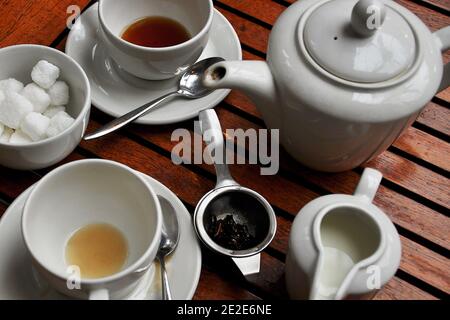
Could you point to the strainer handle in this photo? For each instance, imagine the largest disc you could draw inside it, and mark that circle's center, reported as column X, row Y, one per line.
column 212, row 135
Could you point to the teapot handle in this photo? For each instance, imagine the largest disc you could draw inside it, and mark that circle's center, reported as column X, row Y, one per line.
column 443, row 38
column 369, row 183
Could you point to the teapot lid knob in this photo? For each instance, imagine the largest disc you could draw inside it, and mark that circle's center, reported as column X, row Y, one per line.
column 367, row 17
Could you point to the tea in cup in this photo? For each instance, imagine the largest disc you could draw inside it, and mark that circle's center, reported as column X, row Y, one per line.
column 155, row 39
column 92, row 228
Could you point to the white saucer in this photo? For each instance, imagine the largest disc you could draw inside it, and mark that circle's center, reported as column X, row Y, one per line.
column 17, row 279
column 116, row 92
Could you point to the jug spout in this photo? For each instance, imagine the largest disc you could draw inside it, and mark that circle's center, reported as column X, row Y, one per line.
column 254, row 78
column 333, row 274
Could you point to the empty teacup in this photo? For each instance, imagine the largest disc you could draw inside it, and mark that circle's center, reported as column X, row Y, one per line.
column 92, row 227
column 342, row 245
column 232, row 220
column 155, row 39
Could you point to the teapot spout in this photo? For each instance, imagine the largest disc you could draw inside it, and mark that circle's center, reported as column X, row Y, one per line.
column 254, row 78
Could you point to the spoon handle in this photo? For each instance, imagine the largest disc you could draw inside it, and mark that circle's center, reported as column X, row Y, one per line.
column 129, row 117
column 166, row 294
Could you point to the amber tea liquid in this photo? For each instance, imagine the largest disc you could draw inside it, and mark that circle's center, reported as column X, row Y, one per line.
column 156, row 32
column 99, row 250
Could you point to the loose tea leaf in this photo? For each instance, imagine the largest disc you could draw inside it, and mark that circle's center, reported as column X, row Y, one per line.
column 230, row 234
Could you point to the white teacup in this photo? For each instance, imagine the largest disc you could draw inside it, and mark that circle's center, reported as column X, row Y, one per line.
column 154, row 63
column 82, row 193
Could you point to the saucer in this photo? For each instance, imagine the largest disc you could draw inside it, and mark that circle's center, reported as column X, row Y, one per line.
column 115, row 92
column 19, row 281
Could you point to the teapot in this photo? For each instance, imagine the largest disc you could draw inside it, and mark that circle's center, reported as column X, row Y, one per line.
column 342, row 246
column 343, row 78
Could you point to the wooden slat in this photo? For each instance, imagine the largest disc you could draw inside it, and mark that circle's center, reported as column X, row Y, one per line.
column 417, row 179
column 443, row 4
column 37, row 22
column 436, row 116
column 433, row 19
column 249, row 33
column 425, row 147
column 213, row 287
column 400, row 289
column 420, row 261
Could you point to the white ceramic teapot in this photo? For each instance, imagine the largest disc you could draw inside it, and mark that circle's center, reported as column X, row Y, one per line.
column 343, row 78
column 342, row 245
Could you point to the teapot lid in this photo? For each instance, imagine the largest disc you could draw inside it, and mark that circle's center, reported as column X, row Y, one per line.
column 365, row 41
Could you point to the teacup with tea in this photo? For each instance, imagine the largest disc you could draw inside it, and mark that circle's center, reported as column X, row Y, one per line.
column 155, row 39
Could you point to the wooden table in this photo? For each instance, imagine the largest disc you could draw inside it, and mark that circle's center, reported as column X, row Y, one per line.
column 414, row 192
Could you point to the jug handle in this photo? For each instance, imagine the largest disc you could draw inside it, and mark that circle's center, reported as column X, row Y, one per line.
column 443, row 38
column 211, row 130
column 369, row 183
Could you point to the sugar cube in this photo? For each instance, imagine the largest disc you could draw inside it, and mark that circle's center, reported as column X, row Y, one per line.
column 53, row 110
column 6, row 135
column 37, row 96
column 60, row 122
column 45, row 74
column 11, row 85
column 19, row 137
column 59, row 93
column 35, row 126
column 13, row 109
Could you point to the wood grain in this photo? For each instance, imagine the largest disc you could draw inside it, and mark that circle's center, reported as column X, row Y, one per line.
column 443, row 4
column 399, row 288
column 213, row 287
column 436, row 116
column 37, row 22
column 425, row 147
